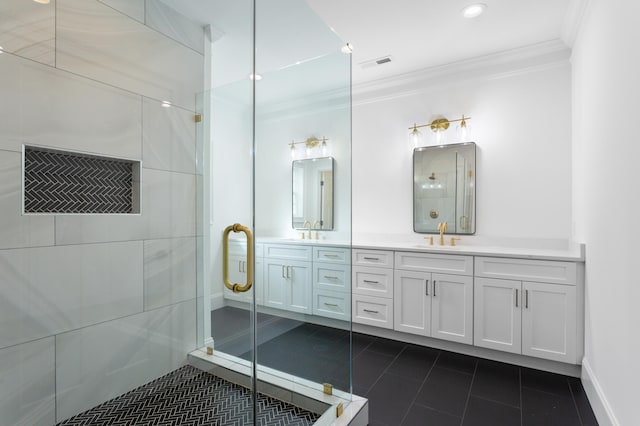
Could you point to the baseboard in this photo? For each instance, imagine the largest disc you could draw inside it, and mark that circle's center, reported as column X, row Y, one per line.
column 601, row 407
column 217, row 301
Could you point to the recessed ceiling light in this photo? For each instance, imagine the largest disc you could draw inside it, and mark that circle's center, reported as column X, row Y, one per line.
column 256, row 77
column 474, row 10
column 42, row 1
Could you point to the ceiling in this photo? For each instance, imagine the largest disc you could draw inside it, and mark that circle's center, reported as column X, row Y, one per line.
column 421, row 34
column 417, row 34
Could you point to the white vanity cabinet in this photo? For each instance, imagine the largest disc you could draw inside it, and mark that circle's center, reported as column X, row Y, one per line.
column 433, row 303
column 332, row 282
column 372, row 287
column 288, row 277
column 527, row 306
column 238, row 271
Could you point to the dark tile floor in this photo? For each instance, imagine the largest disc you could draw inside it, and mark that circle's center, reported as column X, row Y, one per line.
column 414, row 385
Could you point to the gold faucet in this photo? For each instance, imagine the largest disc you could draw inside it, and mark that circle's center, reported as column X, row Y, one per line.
column 317, row 222
column 442, row 227
column 304, row 225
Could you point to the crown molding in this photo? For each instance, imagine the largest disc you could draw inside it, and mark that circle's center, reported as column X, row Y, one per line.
column 526, row 59
column 573, row 20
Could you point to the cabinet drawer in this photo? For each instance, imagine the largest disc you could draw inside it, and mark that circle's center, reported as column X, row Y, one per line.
column 379, row 258
column 288, row 252
column 373, row 281
column 332, row 277
column 332, row 255
column 548, row 271
column 441, row 263
column 374, row 311
column 332, row 304
column 238, row 247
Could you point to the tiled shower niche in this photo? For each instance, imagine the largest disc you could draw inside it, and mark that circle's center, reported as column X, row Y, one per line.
column 63, row 182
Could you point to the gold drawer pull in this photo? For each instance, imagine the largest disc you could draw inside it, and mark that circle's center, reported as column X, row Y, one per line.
column 330, row 255
column 371, row 282
column 329, row 277
column 370, row 311
column 331, row 304
column 371, row 258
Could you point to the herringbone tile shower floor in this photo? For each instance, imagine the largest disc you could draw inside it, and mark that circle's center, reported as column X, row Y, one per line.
column 190, row 397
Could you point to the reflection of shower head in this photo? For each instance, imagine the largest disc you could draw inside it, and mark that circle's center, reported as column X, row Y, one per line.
column 433, row 176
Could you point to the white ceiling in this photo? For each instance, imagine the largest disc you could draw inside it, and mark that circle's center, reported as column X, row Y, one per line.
column 418, row 34
column 426, row 33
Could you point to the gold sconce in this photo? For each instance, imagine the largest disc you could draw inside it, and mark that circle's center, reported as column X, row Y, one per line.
column 439, row 126
column 310, row 144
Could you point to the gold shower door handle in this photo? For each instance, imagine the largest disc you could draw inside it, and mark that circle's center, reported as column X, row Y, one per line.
column 235, row 287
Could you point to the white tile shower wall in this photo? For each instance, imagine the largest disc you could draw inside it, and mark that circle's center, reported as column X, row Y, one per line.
column 168, row 137
column 16, row 230
column 167, row 212
column 97, row 363
column 164, row 19
column 44, row 106
column 27, row 29
column 27, row 384
column 132, row 8
column 93, row 293
column 96, row 41
column 50, row 290
column 169, row 271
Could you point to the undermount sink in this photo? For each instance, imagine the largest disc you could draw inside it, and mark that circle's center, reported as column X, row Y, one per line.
column 436, row 247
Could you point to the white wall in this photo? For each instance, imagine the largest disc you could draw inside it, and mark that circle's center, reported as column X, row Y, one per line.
column 606, row 98
column 520, row 121
column 92, row 306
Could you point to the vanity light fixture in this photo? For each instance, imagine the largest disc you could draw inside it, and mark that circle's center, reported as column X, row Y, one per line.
column 440, row 125
column 310, row 144
column 474, row 10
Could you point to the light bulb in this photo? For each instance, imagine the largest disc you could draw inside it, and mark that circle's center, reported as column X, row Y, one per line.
column 463, row 130
column 438, row 138
column 324, row 147
column 415, row 136
column 293, row 151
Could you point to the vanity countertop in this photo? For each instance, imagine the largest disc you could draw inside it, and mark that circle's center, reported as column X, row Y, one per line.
column 576, row 253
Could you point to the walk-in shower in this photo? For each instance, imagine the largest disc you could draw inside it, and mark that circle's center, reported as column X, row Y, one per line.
column 132, row 135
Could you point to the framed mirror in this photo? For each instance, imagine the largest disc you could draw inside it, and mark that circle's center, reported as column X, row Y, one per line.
column 312, row 193
column 444, row 188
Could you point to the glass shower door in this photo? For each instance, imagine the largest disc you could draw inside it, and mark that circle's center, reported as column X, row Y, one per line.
column 276, row 97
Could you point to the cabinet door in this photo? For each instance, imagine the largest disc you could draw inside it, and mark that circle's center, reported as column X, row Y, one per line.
column 275, row 280
column 299, row 287
column 412, row 302
column 452, row 308
column 549, row 321
column 497, row 314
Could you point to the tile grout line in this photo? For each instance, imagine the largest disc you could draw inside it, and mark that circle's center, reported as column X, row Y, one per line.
column 466, row 404
column 386, row 368
column 520, row 389
column 413, row 402
column 575, row 403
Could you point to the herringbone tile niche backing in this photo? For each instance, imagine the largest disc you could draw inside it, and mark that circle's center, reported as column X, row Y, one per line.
column 59, row 182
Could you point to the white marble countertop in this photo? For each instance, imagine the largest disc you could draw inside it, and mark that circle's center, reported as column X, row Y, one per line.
column 570, row 252
column 575, row 254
